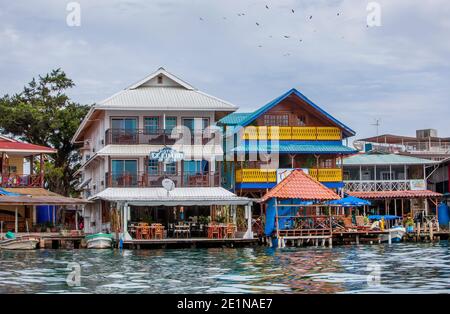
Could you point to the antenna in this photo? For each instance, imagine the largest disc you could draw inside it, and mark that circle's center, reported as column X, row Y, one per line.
column 377, row 124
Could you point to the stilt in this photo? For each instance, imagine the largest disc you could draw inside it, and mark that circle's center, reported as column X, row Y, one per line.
column 330, row 242
column 357, row 239
column 390, row 238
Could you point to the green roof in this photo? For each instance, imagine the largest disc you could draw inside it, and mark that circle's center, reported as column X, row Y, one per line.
column 234, row 118
column 298, row 148
column 385, row 159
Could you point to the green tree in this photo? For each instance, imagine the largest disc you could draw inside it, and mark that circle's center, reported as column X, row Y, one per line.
column 43, row 114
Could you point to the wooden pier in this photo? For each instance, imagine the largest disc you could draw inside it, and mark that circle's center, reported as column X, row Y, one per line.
column 188, row 243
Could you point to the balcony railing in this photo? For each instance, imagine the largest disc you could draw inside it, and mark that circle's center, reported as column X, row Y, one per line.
column 270, row 175
column 141, row 179
column 20, row 180
column 292, row 133
column 376, row 186
column 155, row 137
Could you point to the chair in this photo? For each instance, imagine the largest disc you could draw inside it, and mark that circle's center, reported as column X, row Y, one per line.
column 230, row 231
column 214, row 230
column 158, row 231
column 145, row 232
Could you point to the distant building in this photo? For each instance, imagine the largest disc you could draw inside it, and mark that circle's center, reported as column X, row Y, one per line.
column 427, row 144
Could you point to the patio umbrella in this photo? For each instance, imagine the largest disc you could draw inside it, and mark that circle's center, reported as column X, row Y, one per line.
column 351, row 201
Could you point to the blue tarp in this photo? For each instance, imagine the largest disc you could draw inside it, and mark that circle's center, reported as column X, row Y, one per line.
column 386, row 217
column 283, row 223
column 350, row 201
column 6, row 193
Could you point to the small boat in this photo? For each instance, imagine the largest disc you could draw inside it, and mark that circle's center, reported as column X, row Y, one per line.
column 20, row 243
column 396, row 233
column 99, row 241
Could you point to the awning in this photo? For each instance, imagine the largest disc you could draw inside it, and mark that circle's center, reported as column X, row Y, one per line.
column 202, row 196
column 83, row 184
column 194, row 152
column 36, row 196
column 350, row 201
column 296, row 147
column 381, row 195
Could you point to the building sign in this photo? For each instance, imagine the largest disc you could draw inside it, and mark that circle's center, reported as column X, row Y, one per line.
column 418, row 185
column 284, row 173
column 167, row 155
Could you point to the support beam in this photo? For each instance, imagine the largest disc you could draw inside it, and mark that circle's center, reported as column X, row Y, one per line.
column 16, row 220
column 42, row 173
column 248, row 216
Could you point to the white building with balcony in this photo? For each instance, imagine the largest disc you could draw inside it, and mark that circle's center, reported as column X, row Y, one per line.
column 159, row 131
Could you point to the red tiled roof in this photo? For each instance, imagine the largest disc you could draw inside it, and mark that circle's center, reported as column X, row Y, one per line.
column 16, row 146
column 299, row 185
column 395, row 194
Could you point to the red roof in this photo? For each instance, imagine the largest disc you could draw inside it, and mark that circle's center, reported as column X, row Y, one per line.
column 299, row 185
column 395, row 194
column 18, row 147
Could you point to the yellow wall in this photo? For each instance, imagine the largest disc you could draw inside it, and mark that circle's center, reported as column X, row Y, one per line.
column 17, row 162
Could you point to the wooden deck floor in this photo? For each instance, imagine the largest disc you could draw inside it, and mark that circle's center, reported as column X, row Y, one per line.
column 188, row 242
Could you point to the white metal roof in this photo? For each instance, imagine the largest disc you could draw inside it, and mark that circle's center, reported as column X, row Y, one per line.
column 195, row 152
column 203, row 196
column 164, row 98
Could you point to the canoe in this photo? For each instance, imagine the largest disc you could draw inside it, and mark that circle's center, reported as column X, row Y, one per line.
column 21, row 243
column 99, row 241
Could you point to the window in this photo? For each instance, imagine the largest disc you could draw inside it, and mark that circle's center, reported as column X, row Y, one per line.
column 276, row 120
column 124, row 123
column 124, row 172
column 153, row 167
column 196, row 166
column 151, row 125
column 160, row 79
column 171, row 123
column 301, row 120
column 12, row 169
column 192, row 123
column 171, row 168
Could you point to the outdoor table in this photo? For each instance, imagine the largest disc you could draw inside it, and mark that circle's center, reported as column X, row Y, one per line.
column 182, row 229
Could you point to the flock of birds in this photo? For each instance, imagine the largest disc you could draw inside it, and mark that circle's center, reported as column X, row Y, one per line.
column 258, row 24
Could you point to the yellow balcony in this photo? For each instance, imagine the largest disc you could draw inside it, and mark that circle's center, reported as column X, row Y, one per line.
column 263, row 175
column 298, row 133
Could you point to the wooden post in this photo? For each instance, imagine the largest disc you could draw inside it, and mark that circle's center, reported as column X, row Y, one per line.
column 276, row 219
column 16, row 220
column 41, row 174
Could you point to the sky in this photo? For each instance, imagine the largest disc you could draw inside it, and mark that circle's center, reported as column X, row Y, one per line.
column 397, row 72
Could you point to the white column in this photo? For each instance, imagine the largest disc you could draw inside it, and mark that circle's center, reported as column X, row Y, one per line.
column 126, row 218
column 34, row 215
column 76, row 219
column 248, row 216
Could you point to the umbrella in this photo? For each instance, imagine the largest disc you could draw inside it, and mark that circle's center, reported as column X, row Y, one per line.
column 350, row 201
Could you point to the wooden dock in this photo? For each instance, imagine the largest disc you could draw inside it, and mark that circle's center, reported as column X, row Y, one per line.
column 188, row 243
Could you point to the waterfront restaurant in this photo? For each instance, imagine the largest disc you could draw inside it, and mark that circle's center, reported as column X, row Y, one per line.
column 395, row 184
column 151, row 164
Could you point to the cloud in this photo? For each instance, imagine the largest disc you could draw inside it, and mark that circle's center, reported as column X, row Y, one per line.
column 399, row 71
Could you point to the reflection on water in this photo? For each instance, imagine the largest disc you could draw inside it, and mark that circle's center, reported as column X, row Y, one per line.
column 421, row 268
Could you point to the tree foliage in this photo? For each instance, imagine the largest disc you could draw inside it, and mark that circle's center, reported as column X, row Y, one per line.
column 43, row 114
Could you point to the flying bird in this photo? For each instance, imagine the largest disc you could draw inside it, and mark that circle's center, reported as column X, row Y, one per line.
column 259, row 46
column 257, row 24
column 267, row 7
column 310, row 17
column 338, row 14
column 293, row 11
column 285, row 36
column 201, row 19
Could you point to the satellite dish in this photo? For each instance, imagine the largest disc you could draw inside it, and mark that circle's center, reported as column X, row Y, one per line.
column 168, row 184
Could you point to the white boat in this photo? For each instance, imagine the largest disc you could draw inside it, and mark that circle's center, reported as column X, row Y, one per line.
column 396, row 234
column 21, row 243
column 99, row 241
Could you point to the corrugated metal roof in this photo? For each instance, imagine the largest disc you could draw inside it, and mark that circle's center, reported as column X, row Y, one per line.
column 234, row 118
column 197, row 152
column 20, row 147
column 298, row 185
column 164, row 98
column 385, row 159
column 284, row 147
column 395, row 194
column 250, row 118
column 179, row 196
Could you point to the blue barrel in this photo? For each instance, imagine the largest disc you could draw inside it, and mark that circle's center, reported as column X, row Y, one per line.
column 45, row 213
column 443, row 214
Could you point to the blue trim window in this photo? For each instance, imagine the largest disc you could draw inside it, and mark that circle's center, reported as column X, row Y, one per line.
column 171, row 123
column 151, row 125
column 153, row 167
column 171, row 168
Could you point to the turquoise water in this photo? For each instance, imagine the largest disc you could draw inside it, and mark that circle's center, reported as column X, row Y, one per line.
column 412, row 268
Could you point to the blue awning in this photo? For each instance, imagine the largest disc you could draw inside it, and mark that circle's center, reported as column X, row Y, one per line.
column 295, row 147
column 386, row 217
column 6, row 193
column 351, row 201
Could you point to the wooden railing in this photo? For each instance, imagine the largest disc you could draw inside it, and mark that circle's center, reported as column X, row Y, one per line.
column 21, row 180
column 270, row 175
column 292, row 133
